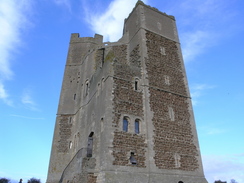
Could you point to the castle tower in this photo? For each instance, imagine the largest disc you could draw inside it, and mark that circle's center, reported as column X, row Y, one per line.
column 125, row 112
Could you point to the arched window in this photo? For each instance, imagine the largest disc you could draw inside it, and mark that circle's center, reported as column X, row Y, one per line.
column 125, row 124
column 136, row 84
column 137, row 126
column 70, row 144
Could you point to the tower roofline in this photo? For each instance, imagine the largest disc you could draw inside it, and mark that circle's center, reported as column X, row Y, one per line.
column 139, row 2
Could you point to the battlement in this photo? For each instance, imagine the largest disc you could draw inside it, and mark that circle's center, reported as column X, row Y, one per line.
column 75, row 37
column 150, row 7
column 151, row 19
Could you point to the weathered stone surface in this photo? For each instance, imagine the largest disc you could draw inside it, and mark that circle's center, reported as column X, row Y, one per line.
column 124, row 113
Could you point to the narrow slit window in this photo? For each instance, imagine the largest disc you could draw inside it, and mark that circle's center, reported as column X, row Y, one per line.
column 171, row 114
column 87, row 87
column 177, row 160
column 70, row 144
column 136, row 85
column 98, row 89
column 90, row 144
column 137, row 126
column 125, row 124
column 74, row 96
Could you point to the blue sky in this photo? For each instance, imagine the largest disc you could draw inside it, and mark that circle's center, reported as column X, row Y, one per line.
column 34, row 38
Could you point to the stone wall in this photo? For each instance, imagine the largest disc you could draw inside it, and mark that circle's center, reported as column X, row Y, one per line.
column 99, row 58
column 64, row 133
column 79, row 169
column 173, row 139
column 124, row 143
column 127, row 102
column 91, row 178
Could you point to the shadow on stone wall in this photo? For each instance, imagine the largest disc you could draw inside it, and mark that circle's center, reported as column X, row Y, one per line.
column 80, row 169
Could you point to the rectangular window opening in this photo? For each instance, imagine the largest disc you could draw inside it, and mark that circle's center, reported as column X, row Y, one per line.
column 125, row 124
column 137, row 127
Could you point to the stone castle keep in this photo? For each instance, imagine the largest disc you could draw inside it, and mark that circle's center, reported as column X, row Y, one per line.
column 125, row 112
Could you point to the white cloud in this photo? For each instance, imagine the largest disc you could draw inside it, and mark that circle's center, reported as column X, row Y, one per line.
column 26, row 117
column 200, row 23
column 197, row 90
column 225, row 167
column 65, row 3
column 4, row 96
column 12, row 22
column 212, row 130
column 110, row 23
column 28, row 101
column 195, row 43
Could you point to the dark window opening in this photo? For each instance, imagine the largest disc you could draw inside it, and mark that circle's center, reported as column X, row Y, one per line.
column 137, row 126
column 90, row 144
column 74, row 96
column 132, row 159
column 136, row 85
column 125, row 124
column 180, row 182
column 87, row 85
column 91, row 134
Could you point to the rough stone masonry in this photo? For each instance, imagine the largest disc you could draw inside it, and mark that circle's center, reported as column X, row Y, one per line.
column 125, row 112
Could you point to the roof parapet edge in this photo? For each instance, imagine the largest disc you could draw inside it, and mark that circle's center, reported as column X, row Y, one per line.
column 139, row 2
